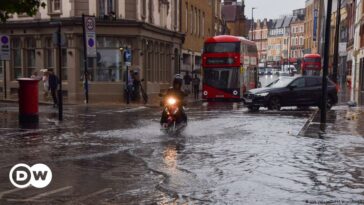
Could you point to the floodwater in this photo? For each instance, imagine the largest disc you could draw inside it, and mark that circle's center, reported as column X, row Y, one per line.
column 226, row 155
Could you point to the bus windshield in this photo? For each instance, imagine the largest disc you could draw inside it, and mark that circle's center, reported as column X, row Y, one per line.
column 222, row 78
column 312, row 60
column 222, row 47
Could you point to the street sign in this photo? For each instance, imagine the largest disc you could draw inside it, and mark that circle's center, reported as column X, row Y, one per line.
column 127, row 57
column 90, row 33
column 4, row 47
column 342, row 49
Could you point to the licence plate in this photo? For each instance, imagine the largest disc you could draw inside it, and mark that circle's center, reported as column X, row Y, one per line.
column 248, row 100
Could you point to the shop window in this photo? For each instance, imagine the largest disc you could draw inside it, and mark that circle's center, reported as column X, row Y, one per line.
column 49, row 53
column 64, row 64
column 1, row 70
column 16, row 58
column 30, row 56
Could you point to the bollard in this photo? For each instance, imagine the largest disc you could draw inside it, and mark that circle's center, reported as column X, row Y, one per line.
column 28, row 100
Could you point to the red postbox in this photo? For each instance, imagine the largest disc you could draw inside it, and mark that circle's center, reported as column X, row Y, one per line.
column 28, row 100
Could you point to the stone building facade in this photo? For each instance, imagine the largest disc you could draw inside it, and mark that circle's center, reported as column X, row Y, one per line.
column 150, row 28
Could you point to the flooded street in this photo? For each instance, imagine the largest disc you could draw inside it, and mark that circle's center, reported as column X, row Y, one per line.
column 226, row 155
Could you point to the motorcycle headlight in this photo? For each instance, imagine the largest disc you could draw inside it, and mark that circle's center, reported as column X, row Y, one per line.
column 171, row 101
column 262, row 94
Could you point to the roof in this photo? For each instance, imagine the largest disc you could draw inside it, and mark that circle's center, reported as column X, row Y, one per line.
column 227, row 39
column 312, row 56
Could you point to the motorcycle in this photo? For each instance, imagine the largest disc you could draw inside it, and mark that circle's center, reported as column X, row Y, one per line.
column 173, row 116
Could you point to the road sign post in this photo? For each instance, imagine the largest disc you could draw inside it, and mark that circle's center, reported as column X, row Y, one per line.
column 4, row 56
column 89, row 47
column 127, row 60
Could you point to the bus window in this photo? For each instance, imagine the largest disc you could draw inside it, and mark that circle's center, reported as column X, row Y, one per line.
column 222, row 47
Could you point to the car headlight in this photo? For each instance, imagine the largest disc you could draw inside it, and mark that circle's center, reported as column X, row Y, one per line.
column 262, row 94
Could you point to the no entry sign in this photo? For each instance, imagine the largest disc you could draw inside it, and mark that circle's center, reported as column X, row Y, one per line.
column 90, row 34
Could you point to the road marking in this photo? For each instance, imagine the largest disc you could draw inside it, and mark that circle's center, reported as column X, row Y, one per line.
column 132, row 109
column 8, row 192
column 90, row 195
column 35, row 198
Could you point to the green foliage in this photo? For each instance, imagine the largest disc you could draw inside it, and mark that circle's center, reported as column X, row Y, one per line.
column 9, row 7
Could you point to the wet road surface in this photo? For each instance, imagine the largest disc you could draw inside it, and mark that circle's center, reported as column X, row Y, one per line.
column 226, row 155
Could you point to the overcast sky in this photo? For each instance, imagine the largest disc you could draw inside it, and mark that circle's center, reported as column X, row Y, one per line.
column 271, row 9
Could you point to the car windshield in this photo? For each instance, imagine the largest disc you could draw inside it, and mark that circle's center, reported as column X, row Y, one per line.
column 280, row 83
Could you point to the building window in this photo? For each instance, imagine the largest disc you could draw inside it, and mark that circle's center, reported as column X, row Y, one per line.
column 16, row 58
column 30, row 44
column 49, row 53
column 64, row 64
column 108, row 67
column 144, row 9
column 186, row 13
column 191, row 14
column 151, row 11
column 54, row 6
column 203, row 24
column 106, row 8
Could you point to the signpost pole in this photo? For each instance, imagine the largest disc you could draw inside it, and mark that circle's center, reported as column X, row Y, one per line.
column 326, row 64
column 60, row 91
column 5, row 84
column 4, row 56
column 85, row 59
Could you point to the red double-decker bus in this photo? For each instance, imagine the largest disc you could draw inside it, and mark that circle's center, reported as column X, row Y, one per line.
column 311, row 64
column 229, row 67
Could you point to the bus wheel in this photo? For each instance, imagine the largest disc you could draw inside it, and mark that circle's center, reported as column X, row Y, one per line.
column 274, row 103
column 253, row 108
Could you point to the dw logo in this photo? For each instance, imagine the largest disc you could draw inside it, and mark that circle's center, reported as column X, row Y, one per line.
column 22, row 176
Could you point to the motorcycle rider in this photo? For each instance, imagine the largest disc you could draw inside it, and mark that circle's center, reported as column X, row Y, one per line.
column 176, row 91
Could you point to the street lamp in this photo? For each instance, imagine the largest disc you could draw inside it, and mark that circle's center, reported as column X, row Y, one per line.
column 252, row 24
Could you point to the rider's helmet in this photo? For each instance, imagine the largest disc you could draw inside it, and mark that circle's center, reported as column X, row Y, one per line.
column 177, row 82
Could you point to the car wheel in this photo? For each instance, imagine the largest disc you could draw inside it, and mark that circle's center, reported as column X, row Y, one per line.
column 253, row 108
column 304, row 108
column 274, row 103
column 329, row 103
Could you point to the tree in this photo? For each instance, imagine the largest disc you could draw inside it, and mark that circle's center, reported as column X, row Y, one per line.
column 9, row 7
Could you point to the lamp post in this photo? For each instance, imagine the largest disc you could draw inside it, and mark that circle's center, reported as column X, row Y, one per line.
column 337, row 35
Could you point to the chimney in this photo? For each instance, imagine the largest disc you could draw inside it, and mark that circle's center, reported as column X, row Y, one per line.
column 230, row 2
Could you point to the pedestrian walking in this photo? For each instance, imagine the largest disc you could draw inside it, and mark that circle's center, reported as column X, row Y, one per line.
column 129, row 85
column 196, row 86
column 136, row 86
column 187, row 81
column 53, row 86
